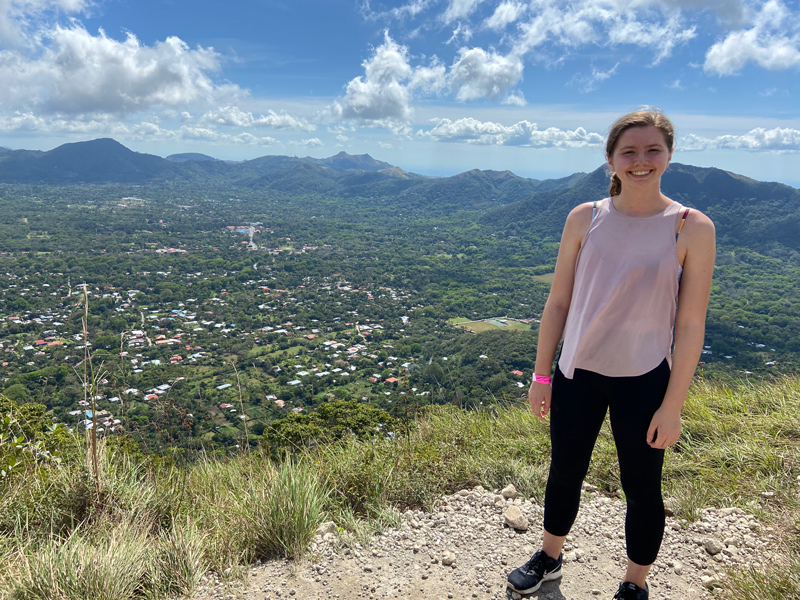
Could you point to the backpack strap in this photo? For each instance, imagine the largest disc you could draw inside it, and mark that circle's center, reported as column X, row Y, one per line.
column 683, row 220
column 594, row 210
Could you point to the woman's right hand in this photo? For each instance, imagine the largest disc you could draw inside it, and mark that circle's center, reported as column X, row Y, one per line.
column 539, row 395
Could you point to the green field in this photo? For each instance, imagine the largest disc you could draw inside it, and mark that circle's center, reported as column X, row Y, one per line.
column 546, row 278
column 488, row 324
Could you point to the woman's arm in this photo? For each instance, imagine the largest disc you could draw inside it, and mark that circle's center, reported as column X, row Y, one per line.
column 556, row 308
column 690, row 323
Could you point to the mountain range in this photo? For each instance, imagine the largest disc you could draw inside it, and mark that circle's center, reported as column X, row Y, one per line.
column 746, row 211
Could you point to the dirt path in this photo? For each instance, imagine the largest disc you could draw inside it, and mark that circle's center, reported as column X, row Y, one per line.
column 410, row 562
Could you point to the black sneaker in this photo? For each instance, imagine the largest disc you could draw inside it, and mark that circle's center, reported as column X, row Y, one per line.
column 529, row 577
column 631, row 591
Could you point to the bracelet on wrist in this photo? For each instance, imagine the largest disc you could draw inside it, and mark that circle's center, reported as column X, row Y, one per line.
column 545, row 379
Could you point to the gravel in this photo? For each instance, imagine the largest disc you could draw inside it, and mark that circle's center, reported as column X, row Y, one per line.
column 464, row 549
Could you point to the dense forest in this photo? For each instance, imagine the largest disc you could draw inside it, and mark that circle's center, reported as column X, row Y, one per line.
column 221, row 311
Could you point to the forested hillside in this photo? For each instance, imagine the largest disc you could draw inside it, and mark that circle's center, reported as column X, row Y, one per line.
column 225, row 301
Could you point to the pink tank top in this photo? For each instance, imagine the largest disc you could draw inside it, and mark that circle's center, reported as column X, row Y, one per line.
column 625, row 294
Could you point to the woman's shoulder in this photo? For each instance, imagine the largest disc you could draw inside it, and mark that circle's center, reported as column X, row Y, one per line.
column 697, row 235
column 579, row 219
column 697, row 223
column 584, row 209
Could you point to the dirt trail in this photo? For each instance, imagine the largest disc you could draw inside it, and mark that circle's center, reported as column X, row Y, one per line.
column 410, row 562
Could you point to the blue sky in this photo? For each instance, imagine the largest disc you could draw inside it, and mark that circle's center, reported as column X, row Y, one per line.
column 433, row 86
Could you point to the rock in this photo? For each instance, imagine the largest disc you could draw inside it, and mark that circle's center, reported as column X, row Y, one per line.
column 326, row 527
column 509, row 491
column 448, row 558
column 575, row 555
column 514, row 518
column 713, row 547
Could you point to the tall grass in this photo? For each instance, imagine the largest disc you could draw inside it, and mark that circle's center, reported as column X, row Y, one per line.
column 156, row 530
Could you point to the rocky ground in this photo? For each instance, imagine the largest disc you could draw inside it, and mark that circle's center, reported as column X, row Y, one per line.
column 465, row 548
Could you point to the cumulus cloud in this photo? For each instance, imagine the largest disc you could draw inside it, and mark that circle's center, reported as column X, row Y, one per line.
column 383, row 94
column 477, row 73
column 778, row 139
column 773, row 42
column 77, row 73
column 236, row 117
column 524, row 133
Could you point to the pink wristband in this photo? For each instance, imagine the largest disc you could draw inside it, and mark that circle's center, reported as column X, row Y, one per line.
column 545, row 379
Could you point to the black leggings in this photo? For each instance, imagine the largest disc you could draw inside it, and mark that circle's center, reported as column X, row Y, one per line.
column 576, row 414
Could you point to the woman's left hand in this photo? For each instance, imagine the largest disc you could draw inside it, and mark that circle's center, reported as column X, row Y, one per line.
column 665, row 428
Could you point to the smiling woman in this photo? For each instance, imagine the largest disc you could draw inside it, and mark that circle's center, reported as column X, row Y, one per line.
column 624, row 281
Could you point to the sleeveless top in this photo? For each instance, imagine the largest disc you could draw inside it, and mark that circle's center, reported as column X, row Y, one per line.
column 625, row 294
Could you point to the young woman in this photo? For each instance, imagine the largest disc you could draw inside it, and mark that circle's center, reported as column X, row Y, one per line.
column 632, row 270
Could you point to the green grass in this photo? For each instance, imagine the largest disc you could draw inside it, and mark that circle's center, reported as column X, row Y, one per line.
column 546, row 278
column 487, row 325
column 151, row 531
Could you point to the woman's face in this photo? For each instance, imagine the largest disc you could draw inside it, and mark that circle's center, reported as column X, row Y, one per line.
column 641, row 156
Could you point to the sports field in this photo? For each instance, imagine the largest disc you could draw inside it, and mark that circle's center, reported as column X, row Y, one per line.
column 488, row 324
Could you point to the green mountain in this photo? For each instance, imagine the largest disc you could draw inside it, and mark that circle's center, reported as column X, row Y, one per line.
column 746, row 212
column 97, row 161
column 342, row 175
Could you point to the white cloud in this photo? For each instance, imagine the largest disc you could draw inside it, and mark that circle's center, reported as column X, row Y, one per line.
column 773, row 43
column 515, row 99
column 309, row 143
column 662, row 38
column 459, row 9
column 505, row 14
column 524, row 133
column 78, row 73
column 19, row 18
column 28, row 121
column 429, row 80
column 236, row 117
column 477, row 73
column 461, row 32
column 588, row 83
column 382, row 96
column 408, row 10
column 642, row 23
column 778, row 139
